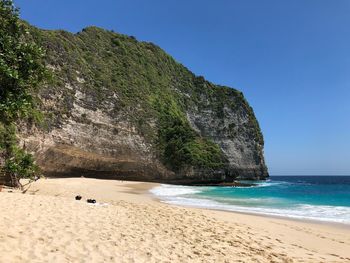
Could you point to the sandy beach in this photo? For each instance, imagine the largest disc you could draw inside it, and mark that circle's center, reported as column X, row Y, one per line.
column 47, row 224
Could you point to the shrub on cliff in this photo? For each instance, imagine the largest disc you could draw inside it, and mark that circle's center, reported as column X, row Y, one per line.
column 180, row 146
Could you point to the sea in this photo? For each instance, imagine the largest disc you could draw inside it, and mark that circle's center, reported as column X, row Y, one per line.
column 320, row 198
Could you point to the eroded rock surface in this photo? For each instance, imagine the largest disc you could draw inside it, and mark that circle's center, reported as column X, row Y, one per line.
column 102, row 118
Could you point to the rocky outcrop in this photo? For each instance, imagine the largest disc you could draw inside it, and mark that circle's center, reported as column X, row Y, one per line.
column 89, row 142
column 102, row 118
column 235, row 131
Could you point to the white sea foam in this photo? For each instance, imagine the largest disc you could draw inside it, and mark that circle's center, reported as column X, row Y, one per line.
column 185, row 195
column 267, row 183
column 270, row 183
column 166, row 190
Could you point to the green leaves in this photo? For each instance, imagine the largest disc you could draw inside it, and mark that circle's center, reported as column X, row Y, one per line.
column 21, row 65
column 21, row 71
column 179, row 144
column 21, row 164
column 18, row 163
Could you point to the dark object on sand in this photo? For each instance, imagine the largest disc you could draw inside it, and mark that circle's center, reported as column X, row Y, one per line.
column 91, row 201
column 78, row 197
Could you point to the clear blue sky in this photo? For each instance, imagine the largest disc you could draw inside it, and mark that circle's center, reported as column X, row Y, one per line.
column 291, row 59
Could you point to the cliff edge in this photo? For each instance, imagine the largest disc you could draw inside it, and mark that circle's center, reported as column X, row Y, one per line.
column 123, row 109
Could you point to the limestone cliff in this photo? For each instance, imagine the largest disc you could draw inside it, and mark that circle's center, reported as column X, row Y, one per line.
column 123, row 109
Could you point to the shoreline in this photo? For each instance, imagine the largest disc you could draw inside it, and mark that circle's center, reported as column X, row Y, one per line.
column 128, row 224
column 286, row 218
column 252, row 213
column 143, row 189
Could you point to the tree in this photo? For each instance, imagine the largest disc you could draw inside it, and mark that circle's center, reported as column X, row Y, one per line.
column 21, row 71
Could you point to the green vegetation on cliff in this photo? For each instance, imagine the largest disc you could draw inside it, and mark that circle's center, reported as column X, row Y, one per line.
column 179, row 144
column 151, row 87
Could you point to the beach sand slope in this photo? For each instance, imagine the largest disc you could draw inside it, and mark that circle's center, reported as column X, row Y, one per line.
column 126, row 225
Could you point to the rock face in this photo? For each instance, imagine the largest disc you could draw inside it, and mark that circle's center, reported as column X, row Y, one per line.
column 237, row 135
column 122, row 109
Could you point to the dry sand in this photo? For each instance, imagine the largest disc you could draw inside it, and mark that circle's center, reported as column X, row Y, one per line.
column 47, row 225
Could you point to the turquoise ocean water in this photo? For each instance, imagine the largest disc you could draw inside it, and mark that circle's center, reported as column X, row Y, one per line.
column 322, row 198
